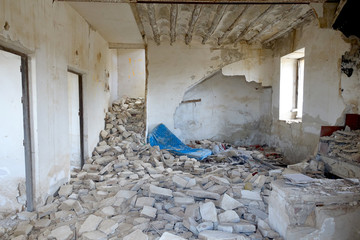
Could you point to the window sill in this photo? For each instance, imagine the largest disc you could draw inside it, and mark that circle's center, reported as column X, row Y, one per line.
column 290, row 121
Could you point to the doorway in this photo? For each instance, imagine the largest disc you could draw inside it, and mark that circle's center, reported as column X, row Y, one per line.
column 16, row 179
column 76, row 132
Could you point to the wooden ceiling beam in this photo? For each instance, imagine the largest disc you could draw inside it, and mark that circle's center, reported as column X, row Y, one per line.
column 173, row 18
column 231, row 27
column 291, row 26
column 194, row 17
column 204, row 1
column 257, row 19
column 220, row 11
column 153, row 24
column 270, row 25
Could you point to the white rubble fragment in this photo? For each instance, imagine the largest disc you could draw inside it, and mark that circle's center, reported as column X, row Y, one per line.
column 91, row 223
column 148, row 211
column 145, row 201
column 229, row 216
column 229, row 203
column 61, row 233
column 205, row 226
column 251, row 195
column 158, row 191
column 136, row 235
column 94, row 235
column 170, row 236
column 219, row 235
column 203, row 194
column 208, row 212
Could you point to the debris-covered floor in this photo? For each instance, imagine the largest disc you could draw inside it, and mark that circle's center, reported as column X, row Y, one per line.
column 130, row 190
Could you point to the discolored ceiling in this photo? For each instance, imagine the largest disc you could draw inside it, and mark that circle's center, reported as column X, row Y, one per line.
column 220, row 24
column 216, row 23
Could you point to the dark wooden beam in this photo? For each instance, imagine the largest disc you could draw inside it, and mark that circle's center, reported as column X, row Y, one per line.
column 204, row 1
column 257, row 19
column 270, row 25
column 173, row 18
column 215, row 22
column 194, row 17
column 291, row 26
column 231, row 27
column 152, row 19
column 138, row 20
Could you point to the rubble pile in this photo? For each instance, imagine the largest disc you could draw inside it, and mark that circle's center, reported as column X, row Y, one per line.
column 343, row 144
column 132, row 191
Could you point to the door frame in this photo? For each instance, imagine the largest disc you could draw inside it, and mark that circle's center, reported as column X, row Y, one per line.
column 81, row 116
column 29, row 182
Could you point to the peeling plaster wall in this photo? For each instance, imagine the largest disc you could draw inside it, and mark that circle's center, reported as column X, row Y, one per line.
column 229, row 110
column 131, row 74
column 175, row 69
column 324, row 104
column 56, row 37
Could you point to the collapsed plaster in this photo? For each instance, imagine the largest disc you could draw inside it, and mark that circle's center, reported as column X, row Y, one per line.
column 230, row 110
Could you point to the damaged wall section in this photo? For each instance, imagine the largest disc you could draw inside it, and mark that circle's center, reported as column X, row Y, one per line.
column 230, row 109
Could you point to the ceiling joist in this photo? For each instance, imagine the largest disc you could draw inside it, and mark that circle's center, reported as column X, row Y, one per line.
column 173, row 18
column 217, row 18
column 194, row 17
column 153, row 24
column 257, row 19
column 203, row 1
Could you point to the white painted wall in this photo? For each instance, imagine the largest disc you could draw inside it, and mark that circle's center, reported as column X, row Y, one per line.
column 175, row 69
column 323, row 102
column 74, row 120
column 12, row 156
column 229, row 110
column 56, row 37
column 131, row 72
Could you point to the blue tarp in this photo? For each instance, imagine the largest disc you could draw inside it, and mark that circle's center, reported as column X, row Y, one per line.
column 161, row 136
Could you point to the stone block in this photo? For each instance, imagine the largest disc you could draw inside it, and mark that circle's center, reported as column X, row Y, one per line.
column 203, row 194
column 229, row 216
column 136, row 235
column 94, row 235
column 158, row 191
column 149, row 211
column 170, row 236
column 208, row 212
column 91, row 223
column 229, row 203
column 61, row 233
column 219, row 235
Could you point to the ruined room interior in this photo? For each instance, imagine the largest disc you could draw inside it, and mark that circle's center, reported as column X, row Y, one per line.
column 186, row 119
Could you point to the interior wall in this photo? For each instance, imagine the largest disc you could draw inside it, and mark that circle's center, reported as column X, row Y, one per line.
column 56, row 38
column 229, row 110
column 175, row 69
column 131, row 74
column 324, row 102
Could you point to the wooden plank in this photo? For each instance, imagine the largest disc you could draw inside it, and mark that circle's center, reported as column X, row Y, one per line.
column 191, row 101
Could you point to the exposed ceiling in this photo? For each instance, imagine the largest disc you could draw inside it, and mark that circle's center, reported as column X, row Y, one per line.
column 220, row 24
column 214, row 24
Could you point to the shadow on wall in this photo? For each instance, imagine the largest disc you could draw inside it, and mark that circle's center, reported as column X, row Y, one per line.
column 223, row 108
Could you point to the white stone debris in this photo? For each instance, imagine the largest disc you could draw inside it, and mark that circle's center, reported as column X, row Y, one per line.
column 130, row 190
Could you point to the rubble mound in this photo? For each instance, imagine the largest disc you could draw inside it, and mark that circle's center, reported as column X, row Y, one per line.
column 130, row 190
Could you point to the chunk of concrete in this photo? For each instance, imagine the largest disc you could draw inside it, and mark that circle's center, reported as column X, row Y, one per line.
column 208, row 212
column 91, row 223
column 170, row 236
column 229, row 216
column 108, row 226
column 219, row 235
column 148, row 212
column 65, row 190
column 61, row 233
column 125, row 194
column 158, row 191
column 251, row 195
column 229, row 203
column 94, row 235
column 203, row 194
column 205, row 226
column 136, row 235
column 145, row 201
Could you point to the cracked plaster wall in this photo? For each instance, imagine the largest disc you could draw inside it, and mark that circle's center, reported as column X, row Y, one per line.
column 324, row 103
column 56, row 38
column 175, row 69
